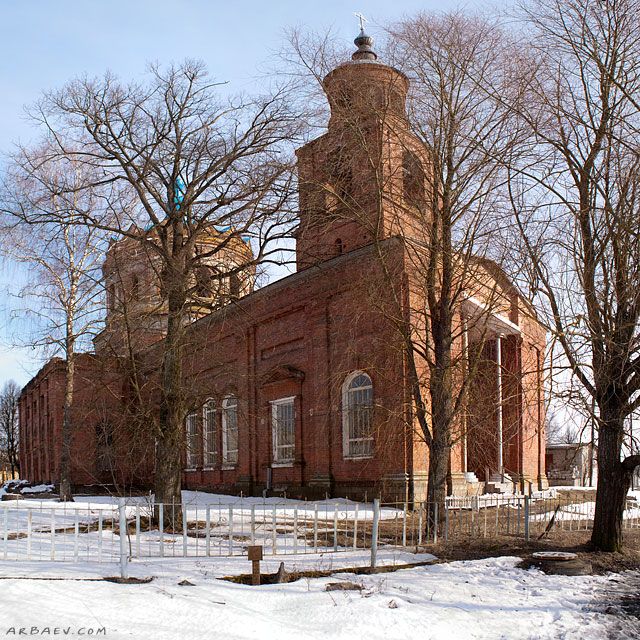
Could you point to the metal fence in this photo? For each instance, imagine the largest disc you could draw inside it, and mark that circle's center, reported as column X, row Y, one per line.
column 75, row 532
column 31, row 530
column 38, row 530
column 548, row 514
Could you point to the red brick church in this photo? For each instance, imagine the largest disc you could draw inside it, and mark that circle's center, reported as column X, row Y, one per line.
column 303, row 385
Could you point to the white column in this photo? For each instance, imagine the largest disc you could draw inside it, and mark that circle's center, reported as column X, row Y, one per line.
column 465, row 365
column 499, row 389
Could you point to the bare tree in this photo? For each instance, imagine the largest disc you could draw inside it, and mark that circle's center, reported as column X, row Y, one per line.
column 441, row 195
column 463, row 133
column 179, row 161
column 63, row 294
column 576, row 206
column 9, row 429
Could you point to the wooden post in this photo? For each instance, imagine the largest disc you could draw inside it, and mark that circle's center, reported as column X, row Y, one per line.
column 254, row 554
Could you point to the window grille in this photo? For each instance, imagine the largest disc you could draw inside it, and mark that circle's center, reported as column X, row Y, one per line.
column 210, row 434
column 192, row 440
column 357, row 416
column 283, row 423
column 230, row 431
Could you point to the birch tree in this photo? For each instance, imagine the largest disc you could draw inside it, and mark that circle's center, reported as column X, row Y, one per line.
column 62, row 260
column 184, row 160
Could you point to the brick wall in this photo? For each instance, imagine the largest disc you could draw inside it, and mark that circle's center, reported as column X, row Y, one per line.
column 302, row 336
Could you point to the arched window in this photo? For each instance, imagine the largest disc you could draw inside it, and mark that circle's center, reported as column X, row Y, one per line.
column 230, row 431
column 207, row 282
column 357, row 416
column 192, row 440
column 412, row 180
column 210, row 434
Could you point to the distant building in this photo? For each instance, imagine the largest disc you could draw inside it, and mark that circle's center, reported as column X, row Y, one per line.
column 303, row 385
column 571, row 464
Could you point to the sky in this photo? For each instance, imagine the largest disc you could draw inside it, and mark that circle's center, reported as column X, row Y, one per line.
column 46, row 43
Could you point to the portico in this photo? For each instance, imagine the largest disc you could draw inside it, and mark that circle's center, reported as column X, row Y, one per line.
column 491, row 427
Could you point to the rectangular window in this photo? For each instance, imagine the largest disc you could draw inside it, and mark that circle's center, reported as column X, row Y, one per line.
column 283, row 423
column 210, row 434
column 230, row 431
column 192, row 440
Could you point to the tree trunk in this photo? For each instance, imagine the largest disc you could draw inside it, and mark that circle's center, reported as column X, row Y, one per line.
column 613, row 484
column 440, row 449
column 14, row 459
column 170, row 445
column 437, row 481
column 65, row 456
column 440, row 386
column 441, row 417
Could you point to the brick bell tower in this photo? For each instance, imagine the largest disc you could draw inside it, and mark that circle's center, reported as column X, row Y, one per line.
column 364, row 179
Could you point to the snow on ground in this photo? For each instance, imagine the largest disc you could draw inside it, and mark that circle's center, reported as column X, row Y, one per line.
column 481, row 599
column 211, row 567
column 584, row 511
column 39, row 488
column 197, row 502
column 220, row 525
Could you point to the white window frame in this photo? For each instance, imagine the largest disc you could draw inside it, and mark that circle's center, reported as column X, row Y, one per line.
column 191, row 439
column 347, row 415
column 278, row 460
column 209, row 424
column 229, row 456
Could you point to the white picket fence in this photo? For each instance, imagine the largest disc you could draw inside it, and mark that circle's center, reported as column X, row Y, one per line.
column 90, row 532
column 42, row 530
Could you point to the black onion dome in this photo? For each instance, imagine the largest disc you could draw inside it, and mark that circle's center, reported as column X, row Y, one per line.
column 364, row 43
